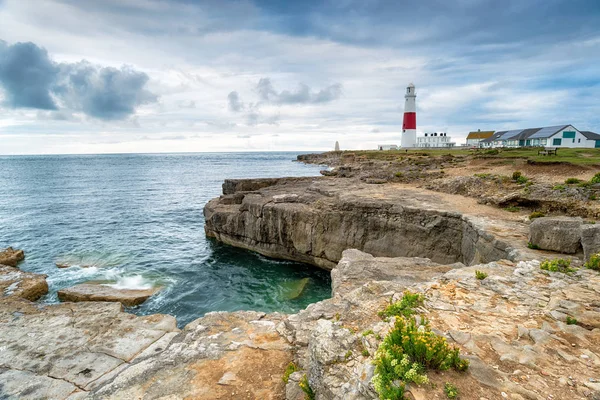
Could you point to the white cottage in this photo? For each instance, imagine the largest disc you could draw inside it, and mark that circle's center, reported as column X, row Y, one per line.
column 550, row 136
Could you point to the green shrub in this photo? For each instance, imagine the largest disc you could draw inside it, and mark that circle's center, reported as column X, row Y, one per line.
column 533, row 246
column 368, row 332
column 290, row 369
column 348, row 354
column 593, row 262
column 571, row 321
column 398, row 174
column 596, row 178
column 492, row 152
column 562, row 188
column 521, row 180
column 450, row 390
column 536, row 214
column 585, row 184
column 406, row 354
column 365, row 352
column 573, row 181
column 557, row 265
column 404, row 307
column 484, row 176
column 480, row 275
column 305, row 386
column 512, row 209
column 593, row 197
column 516, row 175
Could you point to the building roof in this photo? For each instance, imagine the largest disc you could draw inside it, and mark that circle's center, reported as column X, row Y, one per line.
column 480, row 135
column 590, row 135
column 530, row 133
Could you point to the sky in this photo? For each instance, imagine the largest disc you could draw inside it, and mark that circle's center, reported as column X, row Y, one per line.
column 141, row 76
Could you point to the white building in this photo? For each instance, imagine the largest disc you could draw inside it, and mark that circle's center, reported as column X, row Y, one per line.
column 435, row 140
column 387, row 147
column 550, row 136
column 473, row 138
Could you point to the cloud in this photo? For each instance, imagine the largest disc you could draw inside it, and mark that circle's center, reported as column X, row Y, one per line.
column 27, row 75
column 32, row 80
column 235, row 104
column 103, row 92
column 302, row 95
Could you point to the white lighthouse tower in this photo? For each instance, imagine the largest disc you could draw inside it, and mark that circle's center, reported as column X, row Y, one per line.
column 409, row 126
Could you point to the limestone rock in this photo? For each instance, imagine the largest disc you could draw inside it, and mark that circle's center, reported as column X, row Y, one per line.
column 17, row 283
column 590, row 240
column 315, row 220
column 57, row 350
column 103, row 292
column 561, row 234
column 11, row 257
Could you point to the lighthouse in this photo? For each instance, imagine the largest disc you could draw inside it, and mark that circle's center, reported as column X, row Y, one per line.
column 409, row 126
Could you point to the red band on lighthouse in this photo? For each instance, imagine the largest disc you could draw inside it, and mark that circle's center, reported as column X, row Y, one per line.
column 410, row 120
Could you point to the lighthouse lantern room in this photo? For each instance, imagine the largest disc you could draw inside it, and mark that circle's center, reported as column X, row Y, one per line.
column 409, row 126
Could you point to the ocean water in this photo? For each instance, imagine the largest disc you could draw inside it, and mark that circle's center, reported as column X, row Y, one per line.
column 135, row 221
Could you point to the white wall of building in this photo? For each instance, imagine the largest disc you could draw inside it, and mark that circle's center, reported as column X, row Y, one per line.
column 557, row 140
column 435, row 141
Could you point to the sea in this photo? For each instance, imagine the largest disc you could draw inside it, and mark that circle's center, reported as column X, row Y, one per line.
column 135, row 221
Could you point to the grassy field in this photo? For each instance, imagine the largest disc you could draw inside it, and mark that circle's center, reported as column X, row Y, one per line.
column 572, row 156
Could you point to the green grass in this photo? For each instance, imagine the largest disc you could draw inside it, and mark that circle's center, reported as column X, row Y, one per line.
column 309, row 394
column 561, row 188
column 533, row 246
column 581, row 156
column 512, row 209
column 451, row 391
column 573, row 181
column 290, row 369
column 593, row 262
column 480, row 275
column 571, row 320
column 536, row 214
column 404, row 307
column 557, row 265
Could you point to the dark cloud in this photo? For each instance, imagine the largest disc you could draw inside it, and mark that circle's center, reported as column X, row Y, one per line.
column 32, row 80
column 235, row 104
column 27, row 75
column 103, row 92
column 302, row 95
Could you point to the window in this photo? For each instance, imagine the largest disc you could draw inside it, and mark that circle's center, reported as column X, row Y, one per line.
column 569, row 134
column 578, row 140
column 573, row 140
column 557, row 142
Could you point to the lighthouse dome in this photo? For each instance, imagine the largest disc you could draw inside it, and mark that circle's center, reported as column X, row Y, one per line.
column 411, row 85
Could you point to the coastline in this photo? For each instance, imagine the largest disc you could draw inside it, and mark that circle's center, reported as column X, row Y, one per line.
column 511, row 326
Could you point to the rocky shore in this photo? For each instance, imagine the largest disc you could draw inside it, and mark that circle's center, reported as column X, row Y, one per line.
column 527, row 332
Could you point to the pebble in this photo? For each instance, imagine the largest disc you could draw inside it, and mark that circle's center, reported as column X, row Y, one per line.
column 504, row 395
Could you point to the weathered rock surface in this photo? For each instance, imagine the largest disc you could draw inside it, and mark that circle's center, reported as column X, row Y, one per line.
column 26, row 285
column 561, row 234
column 510, row 325
column 220, row 356
column 11, row 257
column 329, row 216
column 102, row 292
column 590, row 240
column 61, row 350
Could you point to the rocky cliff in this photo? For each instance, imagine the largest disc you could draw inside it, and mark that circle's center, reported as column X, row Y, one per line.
column 313, row 220
column 515, row 326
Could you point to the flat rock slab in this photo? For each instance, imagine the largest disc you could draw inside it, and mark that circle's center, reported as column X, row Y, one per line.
column 58, row 350
column 102, row 292
column 11, row 257
column 237, row 355
column 26, row 285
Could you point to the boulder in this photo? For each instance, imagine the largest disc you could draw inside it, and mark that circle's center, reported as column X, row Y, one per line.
column 91, row 291
column 590, row 240
column 11, row 257
column 561, row 234
column 17, row 283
